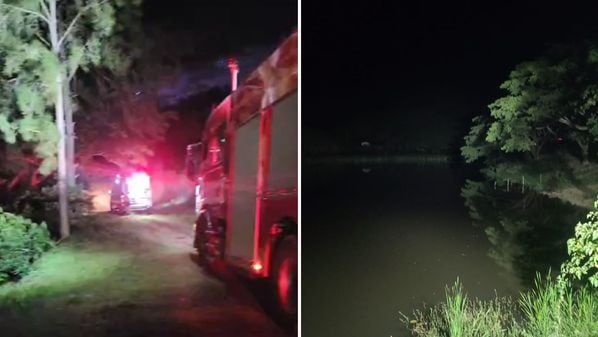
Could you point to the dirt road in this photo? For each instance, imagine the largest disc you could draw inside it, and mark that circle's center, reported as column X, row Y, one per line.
column 130, row 276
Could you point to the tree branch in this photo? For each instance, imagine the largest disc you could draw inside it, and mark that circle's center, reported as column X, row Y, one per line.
column 20, row 9
column 44, row 7
column 69, row 28
column 567, row 121
column 44, row 41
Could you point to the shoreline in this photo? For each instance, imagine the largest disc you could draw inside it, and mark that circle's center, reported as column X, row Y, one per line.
column 378, row 159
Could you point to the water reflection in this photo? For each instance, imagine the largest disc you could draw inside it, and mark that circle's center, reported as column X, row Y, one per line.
column 528, row 231
column 391, row 239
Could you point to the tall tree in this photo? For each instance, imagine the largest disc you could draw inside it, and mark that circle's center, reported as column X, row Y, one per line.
column 118, row 51
column 43, row 44
column 551, row 99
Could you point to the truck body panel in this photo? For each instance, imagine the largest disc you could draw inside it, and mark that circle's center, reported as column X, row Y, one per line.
column 244, row 190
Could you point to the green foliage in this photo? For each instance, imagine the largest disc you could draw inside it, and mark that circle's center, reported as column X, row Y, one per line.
column 550, row 311
column 544, row 131
column 460, row 316
column 475, row 146
column 582, row 264
column 546, row 312
column 28, row 68
column 31, row 61
column 456, row 302
column 21, row 243
column 553, row 97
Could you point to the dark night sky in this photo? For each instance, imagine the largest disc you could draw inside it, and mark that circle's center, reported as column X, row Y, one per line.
column 211, row 31
column 376, row 64
column 225, row 24
column 249, row 30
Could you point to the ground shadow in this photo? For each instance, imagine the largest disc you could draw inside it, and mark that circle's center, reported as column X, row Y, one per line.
column 247, row 290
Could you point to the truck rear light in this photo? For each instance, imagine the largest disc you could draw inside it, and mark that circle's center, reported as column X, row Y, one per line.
column 275, row 230
column 256, row 267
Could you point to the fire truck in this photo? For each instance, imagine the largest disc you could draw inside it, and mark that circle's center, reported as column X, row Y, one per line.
column 245, row 173
column 131, row 191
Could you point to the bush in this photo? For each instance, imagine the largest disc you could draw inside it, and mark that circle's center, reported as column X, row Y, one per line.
column 21, row 243
column 582, row 265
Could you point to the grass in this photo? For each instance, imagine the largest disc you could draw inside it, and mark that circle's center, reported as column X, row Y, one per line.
column 543, row 312
column 64, row 270
column 547, row 312
column 108, row 261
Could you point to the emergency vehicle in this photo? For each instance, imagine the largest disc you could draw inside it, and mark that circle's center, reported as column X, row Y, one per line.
column 131, row 191
column 245, row 175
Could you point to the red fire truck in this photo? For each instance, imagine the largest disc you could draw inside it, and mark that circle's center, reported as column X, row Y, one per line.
column 245, row 172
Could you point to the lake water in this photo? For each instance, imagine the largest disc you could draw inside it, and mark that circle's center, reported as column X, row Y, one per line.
column 386, row 239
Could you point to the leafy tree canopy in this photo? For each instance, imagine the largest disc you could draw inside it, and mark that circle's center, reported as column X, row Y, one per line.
column 550, row 100
column 38, row 45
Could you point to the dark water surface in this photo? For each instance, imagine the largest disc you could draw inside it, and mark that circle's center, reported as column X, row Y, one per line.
column 386, row 239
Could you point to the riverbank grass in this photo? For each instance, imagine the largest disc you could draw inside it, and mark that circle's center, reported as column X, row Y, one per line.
column 543, row 312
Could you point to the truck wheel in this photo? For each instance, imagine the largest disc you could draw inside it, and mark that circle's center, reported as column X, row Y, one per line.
column 285, row 278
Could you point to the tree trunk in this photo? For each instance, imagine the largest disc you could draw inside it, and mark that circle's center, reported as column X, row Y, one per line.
column 59, row 110
column 70, row 136
column 584, row 148
column 62, row 163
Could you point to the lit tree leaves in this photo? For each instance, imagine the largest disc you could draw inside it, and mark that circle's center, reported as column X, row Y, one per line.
column 103, row 18
column 7, row 129
column 28, row 100
column 75, row 58
column 583, row 251
column 552, row 98
column 29, row 67
column 475, row 146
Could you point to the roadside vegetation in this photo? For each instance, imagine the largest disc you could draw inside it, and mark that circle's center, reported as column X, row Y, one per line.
column 110, row 72
column 22, row 242
column 107, row 260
